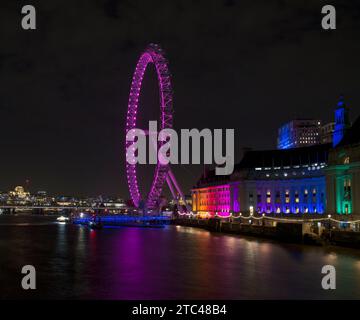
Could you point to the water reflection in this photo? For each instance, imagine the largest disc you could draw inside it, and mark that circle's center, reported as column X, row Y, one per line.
column 73, row 262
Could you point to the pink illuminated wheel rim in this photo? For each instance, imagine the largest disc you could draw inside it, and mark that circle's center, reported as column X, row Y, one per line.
column 152, row 54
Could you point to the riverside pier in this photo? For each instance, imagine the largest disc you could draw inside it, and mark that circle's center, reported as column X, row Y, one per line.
column 326, row 231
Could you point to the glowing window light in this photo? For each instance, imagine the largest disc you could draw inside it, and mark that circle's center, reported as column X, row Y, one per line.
column 268, row 196
column 251, row 210
column 287, row 196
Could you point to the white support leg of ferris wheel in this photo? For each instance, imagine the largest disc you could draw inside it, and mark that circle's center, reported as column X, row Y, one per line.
column 171, row 177
column 173, row 192
column 168, row 181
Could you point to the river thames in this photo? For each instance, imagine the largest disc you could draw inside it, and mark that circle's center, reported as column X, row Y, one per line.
column 73, row 262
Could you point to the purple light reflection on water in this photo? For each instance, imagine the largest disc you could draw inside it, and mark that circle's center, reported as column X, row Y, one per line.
column 73, row 262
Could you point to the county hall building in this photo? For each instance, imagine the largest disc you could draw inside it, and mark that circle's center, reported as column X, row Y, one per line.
column 309, row 181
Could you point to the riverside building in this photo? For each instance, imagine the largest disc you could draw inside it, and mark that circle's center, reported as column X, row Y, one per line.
column 308, row 181
column 270, row 182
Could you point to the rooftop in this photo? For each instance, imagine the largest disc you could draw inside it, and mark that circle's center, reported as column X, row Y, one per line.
column 273, row 158
column 285, row 157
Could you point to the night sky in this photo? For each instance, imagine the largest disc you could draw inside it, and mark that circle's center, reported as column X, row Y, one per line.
column 245, row 64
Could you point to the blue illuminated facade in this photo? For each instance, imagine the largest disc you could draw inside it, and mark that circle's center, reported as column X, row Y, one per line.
column 284, row 181
column 342, row 122
column 289, row 196
column 286, row 139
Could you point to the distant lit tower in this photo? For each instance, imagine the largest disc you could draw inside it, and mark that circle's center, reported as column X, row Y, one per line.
column 342, row 122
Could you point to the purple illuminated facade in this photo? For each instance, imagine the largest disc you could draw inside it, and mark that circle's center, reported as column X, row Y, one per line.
column 152, row 54
column 221, row 200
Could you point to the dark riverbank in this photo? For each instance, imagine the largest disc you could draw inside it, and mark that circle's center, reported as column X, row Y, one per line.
column 283, row 232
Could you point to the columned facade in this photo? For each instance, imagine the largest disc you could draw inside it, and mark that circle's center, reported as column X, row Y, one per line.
column 343, row 181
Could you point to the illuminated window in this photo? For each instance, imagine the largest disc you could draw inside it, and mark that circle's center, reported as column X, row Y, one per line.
column 287, row 196
column 278, row 210
column 268, row 196
column 287, row 210
column 347, row 189
column 297, row 197
column 297, row 210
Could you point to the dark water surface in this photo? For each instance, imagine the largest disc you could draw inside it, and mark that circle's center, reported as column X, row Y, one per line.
column 73, row 262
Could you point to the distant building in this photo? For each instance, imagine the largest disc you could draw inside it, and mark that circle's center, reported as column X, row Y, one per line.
column 114, row 203
column 19, row 192
column 65, row 201
column 327, row 132
column 42, row 199
column 307, row 132
column 18, row 196
column 180, row 201
column 299, row 133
